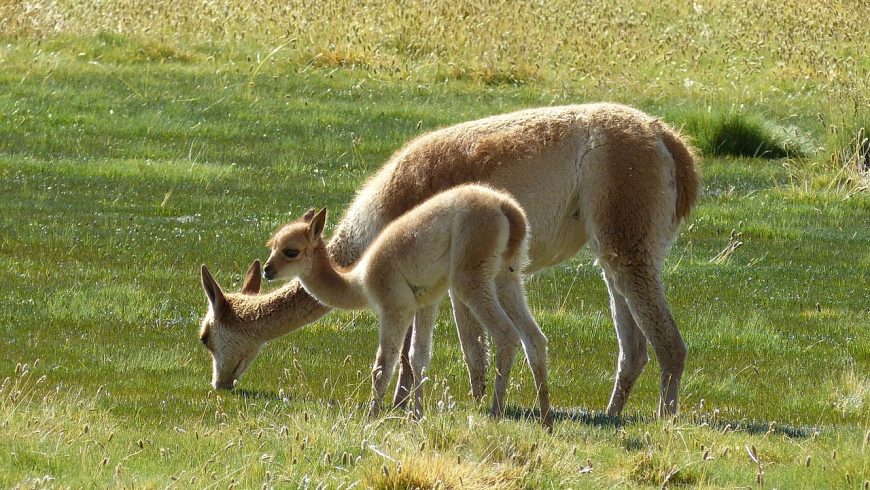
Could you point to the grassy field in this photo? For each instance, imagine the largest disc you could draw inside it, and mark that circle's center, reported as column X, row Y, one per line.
column 138, row 142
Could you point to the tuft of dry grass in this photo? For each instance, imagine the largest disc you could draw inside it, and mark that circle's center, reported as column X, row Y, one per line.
column 427, row 470
column 343, row 57
column 852, row 394
column 654, row 469
column 852, row 162
column 843, row 167
column 735, row 241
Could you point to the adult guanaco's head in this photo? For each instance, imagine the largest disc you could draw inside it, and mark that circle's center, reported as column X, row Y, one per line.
column 293, row 246
column 231, row 346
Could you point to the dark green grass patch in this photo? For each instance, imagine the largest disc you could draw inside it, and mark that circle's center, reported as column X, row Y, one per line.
column 742, row 134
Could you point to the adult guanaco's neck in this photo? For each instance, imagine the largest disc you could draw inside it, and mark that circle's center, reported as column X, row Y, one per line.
column 286, row 309
column 331, row 286
column 271, row 315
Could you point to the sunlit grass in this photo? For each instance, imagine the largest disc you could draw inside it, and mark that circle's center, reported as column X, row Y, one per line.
column 138, row 142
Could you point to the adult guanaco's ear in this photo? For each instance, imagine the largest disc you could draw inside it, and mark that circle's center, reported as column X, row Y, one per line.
column 309, row 215
column 315, row 228
column 253, row 279
column 213, row 292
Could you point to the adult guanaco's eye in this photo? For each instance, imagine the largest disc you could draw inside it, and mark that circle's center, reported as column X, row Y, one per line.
column 291, row 253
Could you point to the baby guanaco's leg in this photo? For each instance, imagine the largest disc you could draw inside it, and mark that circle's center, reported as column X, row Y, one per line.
column 513, row 300
column 394, row 323
column 421, row 353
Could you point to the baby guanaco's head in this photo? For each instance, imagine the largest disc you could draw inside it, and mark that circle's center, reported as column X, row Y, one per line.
column 293, row 246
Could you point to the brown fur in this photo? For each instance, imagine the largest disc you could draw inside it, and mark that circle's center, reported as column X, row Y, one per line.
column 470, row 238
column 515, row 252
column 604, row 175
column 237, row 324
column 474, row 151
column 687, row 179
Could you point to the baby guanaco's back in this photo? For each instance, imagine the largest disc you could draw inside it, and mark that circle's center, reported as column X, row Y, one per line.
column 442, row 242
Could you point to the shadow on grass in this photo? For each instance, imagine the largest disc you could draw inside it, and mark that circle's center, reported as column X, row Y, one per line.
column 256, row 395
column 588, row 417
column 756, row 427
column 600, row 419
column 270, row 396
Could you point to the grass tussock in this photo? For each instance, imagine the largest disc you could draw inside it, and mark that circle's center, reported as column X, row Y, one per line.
column 116, row 48
column 852, row 394
column 850, row 160
column 655, row 469
column 842, row 169
column 426, row 471
column 495, row 75
column 342, row 57
column 739, row 134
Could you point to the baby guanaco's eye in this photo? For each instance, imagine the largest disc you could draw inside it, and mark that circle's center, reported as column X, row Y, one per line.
column 204, row 339
column 291, row 253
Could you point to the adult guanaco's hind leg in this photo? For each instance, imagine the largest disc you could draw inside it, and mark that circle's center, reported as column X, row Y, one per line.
column 475, row 346
column 641, row 287
column 632, row 348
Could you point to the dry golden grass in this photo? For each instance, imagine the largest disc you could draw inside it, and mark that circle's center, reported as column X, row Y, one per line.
column 704, row 46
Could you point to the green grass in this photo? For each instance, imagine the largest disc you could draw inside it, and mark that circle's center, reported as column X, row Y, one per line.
column 126, row 162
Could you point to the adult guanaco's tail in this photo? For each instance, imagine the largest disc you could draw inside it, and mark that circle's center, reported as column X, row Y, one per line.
column 686, row 174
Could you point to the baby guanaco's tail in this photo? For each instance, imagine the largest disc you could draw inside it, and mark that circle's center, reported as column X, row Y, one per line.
column 516, row 253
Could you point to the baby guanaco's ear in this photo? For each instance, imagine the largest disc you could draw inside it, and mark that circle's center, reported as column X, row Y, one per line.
column 315, row 227
column 309, row 215
column 252, row 279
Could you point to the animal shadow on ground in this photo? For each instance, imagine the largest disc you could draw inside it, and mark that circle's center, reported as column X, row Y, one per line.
column 600, row 419
column 257, row 395
column 270, row 396
column 597, row 419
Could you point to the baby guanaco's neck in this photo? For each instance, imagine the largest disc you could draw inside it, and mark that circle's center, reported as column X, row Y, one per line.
column 331, row 286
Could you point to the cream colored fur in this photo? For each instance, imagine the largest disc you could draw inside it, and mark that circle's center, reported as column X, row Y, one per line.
column 605, row 175
column 231, row 348
column 471, row 239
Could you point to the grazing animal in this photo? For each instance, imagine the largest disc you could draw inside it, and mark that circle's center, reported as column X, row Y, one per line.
column 603, row 175
column 471, row 239
column 231, row 348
